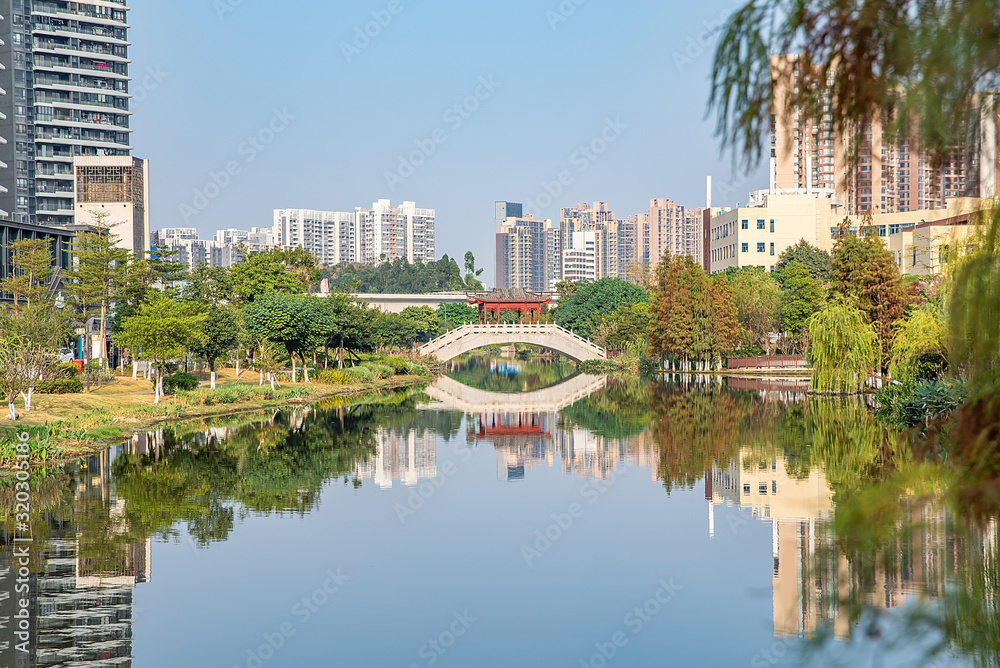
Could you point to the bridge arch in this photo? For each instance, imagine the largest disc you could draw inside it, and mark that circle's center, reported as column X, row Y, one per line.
column 553, row 337
column 452, row 394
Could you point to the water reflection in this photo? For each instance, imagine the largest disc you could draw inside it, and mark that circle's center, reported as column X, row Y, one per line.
column 506, row 374
column 859, row 532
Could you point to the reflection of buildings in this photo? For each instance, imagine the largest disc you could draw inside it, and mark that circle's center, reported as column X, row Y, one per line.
column 524, row 440
column 81, row 589
column 813, row 581
column 406, row 455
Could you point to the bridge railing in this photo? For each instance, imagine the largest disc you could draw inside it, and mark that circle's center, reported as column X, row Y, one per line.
column 505, row 328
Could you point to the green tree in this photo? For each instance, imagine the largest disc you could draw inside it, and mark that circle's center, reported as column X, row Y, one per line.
column 98, row 275
column 472, row 274
column 758, row 305
column 260, row 274
column 865, row 270
column 844, row 348
column 400, row 276
column 581, row 308
column 919, row 348
column 456, row 315
column 31, row 272
column 626, row 328
column 220, row 334
column 816, row 260
column 395, row 330
column 28, row 344
column 210, row 285
column 425, row 320
column 801, row 296
column 299, row 323
column 163, row 329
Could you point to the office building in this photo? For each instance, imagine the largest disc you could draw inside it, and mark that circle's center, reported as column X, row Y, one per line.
column 66, row 85
column 114, row 192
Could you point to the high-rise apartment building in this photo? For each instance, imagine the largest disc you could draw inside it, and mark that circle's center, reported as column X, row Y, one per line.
column 615, row 242
column 382, row 233
column 331, row 236
column 66, row 78
column 809, row 156
column 669, row 227
column 528, row 251
column 115, row 190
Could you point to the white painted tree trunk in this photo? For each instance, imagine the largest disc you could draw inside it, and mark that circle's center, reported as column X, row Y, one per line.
column 305, row 372
column 237, row 364
column 261, row 378
column 27, row 399
column 271, row 377
column 213, row 380
column 135, row 370
column 12, row 415
column 294, row 369
column 158, row 388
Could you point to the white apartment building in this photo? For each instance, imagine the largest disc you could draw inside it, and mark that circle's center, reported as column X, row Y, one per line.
column 382, row 233
column 579, row 262
column 331, row 236
column 224, row 250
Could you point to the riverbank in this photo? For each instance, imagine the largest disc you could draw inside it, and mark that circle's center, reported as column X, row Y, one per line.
column 65, row 427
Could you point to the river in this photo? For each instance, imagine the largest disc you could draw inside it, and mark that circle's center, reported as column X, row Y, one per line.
column 512, row 514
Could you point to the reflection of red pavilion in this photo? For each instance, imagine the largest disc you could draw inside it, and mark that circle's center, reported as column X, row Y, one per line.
column 527, row 305
column 495, row 426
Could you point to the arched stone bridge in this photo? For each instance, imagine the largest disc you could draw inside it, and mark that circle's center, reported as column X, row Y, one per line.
column 553, row 337
column 449, row 393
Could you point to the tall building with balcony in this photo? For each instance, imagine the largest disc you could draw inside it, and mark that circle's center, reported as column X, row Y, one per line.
column 67, row 94
column 329, row 235
column 528, row 251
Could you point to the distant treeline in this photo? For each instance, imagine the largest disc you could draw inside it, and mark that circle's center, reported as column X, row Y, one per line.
column 401, row 277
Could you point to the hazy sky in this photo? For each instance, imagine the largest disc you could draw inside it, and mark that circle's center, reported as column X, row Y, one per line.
column 244, row 106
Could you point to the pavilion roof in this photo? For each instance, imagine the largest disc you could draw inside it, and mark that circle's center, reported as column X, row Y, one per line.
column 508, row 295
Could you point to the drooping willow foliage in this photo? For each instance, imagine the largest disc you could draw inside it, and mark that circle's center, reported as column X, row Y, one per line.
column 845, row 349
column 919, row 338
column 975, row 311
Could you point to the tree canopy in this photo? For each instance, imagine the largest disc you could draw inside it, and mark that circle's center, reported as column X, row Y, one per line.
column 580, row 309
column 816, row 260
column 401, row 277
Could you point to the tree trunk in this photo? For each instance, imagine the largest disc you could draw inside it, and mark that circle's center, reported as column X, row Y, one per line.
column 104, row 330
column 294, row 374
column 272, row 381
column 213, row 380
column 157, row 388
column 12, row 415
column 135, row 370
column 340, row 355
column 27, row 399
column 305, row 370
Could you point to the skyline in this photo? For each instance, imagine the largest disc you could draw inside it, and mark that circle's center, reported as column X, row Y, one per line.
column 520, row 123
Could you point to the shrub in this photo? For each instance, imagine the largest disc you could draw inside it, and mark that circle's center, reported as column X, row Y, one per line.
column 362, row 374
column 417, row 369
column 60, row 386
column 333, row 377
column 179, row 381
column 69, row 370
column 380, row 370
column 920, row 404
column 398, row 365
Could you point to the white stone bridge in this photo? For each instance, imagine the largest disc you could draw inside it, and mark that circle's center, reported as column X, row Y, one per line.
column 451, row 394
column 553, row 337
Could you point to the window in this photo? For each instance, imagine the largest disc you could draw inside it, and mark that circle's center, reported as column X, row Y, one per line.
column 746, row 248
column 760, row 247
column 746, row 489
column 745, row 225
column 762, row 488
column 772, row 248
column 760, row 224
column 772, row 226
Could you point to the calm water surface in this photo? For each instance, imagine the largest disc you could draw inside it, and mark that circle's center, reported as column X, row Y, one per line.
column 579, row 522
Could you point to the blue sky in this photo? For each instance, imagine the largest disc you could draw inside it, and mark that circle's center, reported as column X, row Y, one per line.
column 244, row 106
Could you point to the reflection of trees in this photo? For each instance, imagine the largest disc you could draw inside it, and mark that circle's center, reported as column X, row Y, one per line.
column 479, row 372
column 279, row 465
column 698, row 427
column 620, row 410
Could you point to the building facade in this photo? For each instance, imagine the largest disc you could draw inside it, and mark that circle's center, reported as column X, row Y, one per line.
column 808, row 155
column 114, row 190
column 528, row 254
column 66, row 78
